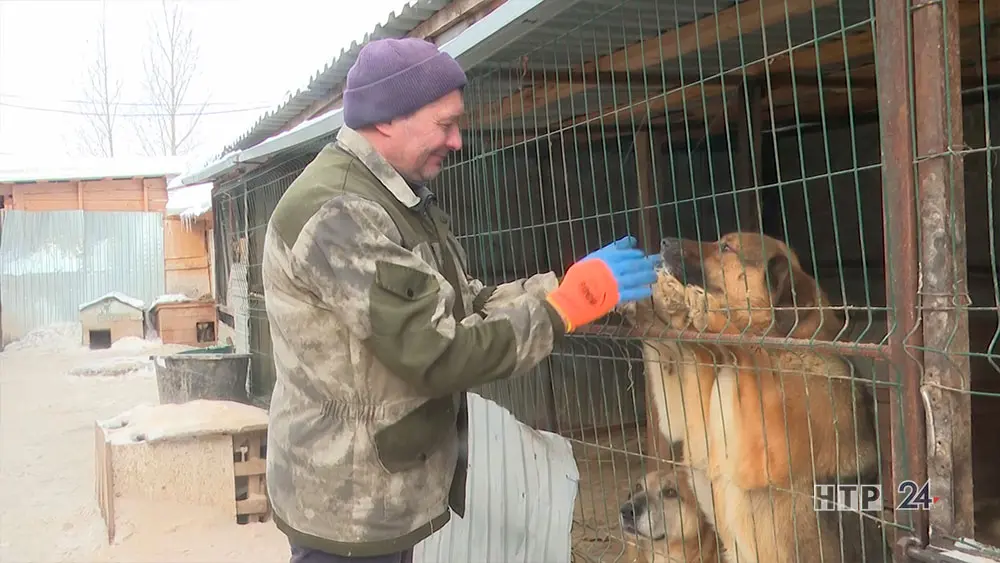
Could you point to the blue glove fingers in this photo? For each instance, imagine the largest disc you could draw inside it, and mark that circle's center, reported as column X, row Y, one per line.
column 635, row 279
column 625, row 242
column 622, row 256
column 637, row 264
column 635, row 294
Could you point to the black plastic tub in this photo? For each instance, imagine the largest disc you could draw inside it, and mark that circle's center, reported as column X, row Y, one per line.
column 187, row 377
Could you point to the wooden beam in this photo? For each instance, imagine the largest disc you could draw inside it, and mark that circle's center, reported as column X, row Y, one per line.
column 778, row 105
column 730, row 23
column 449, row 16
column 651, row 106
column 835, row 52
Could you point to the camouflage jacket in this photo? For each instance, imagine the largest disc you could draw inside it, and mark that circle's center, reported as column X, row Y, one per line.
column 377, row 332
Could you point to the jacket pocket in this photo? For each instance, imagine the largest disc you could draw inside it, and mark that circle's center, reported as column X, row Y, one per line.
column 404, row 282
column 407, row 444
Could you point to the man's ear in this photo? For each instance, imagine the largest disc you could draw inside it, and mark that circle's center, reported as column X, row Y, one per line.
column 384, row 128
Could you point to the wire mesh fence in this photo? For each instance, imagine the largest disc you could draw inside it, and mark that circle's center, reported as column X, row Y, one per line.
column 846, row 335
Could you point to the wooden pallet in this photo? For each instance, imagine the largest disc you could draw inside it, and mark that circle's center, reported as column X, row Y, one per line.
column 249, row 465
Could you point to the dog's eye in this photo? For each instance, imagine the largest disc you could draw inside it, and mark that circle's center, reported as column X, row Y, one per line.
column 669, row 492
column 724, row 247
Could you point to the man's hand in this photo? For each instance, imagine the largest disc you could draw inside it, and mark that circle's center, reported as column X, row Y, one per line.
column 594, row 286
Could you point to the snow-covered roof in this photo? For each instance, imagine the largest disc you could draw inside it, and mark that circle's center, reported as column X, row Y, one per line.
column 169, row 298
column 189, row 202
column 65, row 169
column 130, row 301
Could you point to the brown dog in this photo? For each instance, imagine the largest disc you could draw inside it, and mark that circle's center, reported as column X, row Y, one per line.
column 760, row 428
column 663, row 514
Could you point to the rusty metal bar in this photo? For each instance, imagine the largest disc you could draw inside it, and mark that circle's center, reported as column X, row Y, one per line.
column 944, row 295
column 892, row 54
column 877, row 351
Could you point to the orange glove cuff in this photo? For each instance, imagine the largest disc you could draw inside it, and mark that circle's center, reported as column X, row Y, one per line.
column 588, row 292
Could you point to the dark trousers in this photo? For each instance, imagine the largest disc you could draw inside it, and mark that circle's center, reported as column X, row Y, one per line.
column 306, row 555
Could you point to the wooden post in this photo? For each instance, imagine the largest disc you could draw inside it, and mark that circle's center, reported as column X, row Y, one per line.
column 748, row 165
column 649, row 234
column 145, row 194
column 646, row 149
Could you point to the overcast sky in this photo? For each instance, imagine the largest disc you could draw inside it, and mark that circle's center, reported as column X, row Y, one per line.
column 253, row 53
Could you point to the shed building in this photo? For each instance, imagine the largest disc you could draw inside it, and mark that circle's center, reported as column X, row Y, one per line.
column 110, row 318
column 810, row 121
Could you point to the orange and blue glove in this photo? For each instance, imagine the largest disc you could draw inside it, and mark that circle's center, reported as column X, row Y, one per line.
column 595, row 285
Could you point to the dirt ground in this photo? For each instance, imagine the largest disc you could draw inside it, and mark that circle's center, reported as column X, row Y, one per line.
column 51, row 393
column 609, row 463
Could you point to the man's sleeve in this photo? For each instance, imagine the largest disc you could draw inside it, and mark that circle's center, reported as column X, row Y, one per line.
column 489, row 298
column 492, row 298
column 401, row 307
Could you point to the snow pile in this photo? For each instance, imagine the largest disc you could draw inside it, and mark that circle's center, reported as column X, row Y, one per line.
column 55, row 337
column 130, row 301
column 135, row 344
column 115, row 367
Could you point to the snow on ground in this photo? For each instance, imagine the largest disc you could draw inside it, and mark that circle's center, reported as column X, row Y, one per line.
column 59, row 336
column 52, row 391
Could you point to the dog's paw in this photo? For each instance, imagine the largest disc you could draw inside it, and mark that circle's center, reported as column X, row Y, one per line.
column 628, row 311
column 697, row 304
column 669, row 295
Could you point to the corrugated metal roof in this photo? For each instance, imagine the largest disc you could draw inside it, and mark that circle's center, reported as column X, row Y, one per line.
column 335, row 72
column 580, row 31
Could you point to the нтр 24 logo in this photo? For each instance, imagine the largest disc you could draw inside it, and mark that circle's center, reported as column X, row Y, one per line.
column 865, row 498
column 914, row 497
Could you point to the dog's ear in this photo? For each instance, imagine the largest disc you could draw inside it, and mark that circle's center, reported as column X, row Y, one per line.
column 779, row 278
column 782, row 279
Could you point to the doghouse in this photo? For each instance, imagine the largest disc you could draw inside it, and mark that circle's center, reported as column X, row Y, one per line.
column 184, row 321
column 110, row 318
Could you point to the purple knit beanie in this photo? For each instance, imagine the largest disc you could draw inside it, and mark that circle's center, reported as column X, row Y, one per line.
column 395, row 77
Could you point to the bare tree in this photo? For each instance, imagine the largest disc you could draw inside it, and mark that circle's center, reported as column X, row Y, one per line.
column 171, row 63
column 100, row 100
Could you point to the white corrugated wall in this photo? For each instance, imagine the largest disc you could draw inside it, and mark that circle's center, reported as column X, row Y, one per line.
column 52, row 261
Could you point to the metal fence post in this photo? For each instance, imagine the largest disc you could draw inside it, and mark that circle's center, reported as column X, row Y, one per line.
column 944, row 295
column 892, row 53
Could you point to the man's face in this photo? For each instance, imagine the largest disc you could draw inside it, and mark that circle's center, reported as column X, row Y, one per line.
column 418, row 144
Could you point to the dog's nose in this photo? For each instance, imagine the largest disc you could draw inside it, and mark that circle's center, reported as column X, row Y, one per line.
column 670, row 248
column 628, row 513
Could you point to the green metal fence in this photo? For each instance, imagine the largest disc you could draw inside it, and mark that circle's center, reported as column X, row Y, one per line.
column 863, row 134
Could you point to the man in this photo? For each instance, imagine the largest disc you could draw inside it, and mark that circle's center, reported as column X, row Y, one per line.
column 378, row 330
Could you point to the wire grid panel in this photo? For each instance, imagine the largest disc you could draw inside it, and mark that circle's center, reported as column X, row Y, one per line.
column 254, row 196
column 670, row 123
